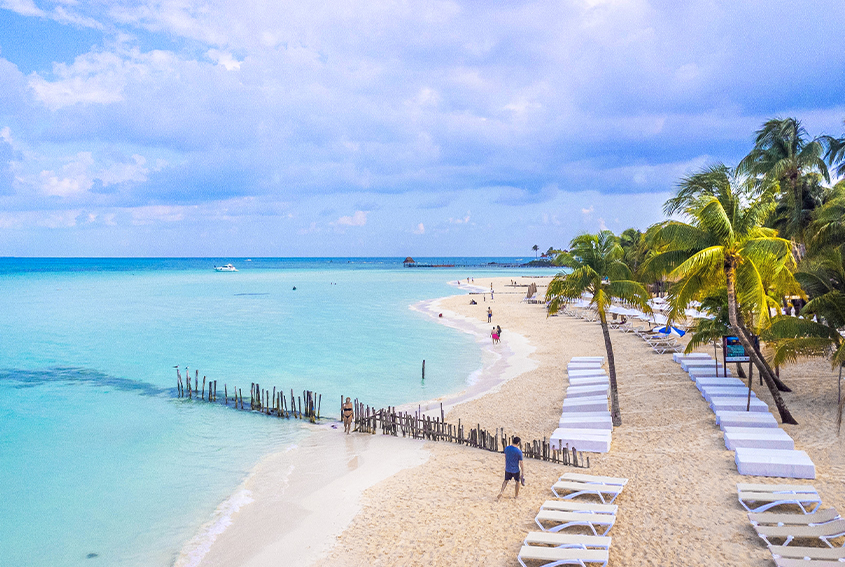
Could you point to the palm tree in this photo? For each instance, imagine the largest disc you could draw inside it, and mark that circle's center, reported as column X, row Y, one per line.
column 823, row 277
column 535, row 248
column 633, row 245
column 597, row 269
column 782, row 158
column 726, row 246
column 835, row 153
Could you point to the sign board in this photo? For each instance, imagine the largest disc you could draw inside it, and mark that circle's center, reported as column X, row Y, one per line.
column 733, row 350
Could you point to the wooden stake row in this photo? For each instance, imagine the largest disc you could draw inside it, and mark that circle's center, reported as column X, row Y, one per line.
column 418, row 426
column 275, row 403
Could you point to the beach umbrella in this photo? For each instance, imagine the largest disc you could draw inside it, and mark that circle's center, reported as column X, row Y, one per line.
column 660, row 319
column 671, row 330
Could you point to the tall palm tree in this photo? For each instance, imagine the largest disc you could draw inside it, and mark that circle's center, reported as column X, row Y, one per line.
column 597, row 269
column 782, row 158
column 835, row 154
column 726, row 246
column 823, row 277
column 535, row 248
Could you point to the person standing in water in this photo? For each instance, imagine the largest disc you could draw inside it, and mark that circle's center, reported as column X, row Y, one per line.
column 347, row 413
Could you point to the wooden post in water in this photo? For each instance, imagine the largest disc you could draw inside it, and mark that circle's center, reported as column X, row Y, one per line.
column 203, row 388
column 423, row 370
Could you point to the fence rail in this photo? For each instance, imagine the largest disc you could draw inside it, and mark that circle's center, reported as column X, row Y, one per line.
column 262, row 400
column 388, row 421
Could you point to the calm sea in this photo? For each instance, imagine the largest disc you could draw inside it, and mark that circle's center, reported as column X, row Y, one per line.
column 101, row 463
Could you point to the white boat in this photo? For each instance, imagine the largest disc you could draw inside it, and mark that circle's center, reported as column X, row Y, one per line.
column 226, row 268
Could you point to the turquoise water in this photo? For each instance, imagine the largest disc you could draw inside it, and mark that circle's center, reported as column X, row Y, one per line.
column 101, row 463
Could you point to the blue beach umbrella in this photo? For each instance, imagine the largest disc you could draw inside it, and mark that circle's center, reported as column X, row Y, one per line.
column 669, row 329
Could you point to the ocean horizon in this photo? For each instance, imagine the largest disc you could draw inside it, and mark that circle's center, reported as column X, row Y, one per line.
column 104, row 461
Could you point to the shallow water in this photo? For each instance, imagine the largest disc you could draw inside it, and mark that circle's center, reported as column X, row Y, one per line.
column 101, row 463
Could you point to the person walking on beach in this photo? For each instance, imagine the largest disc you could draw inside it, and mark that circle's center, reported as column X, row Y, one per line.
column 347, row 412
column 513, row 467
column 499, row 332
column 489, row 314
column 494, row 335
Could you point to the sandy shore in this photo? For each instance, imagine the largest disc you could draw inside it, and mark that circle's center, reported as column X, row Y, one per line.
column 680, row 505
column 392, row 501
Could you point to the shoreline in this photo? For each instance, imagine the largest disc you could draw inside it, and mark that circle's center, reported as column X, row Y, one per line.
column 357, row 463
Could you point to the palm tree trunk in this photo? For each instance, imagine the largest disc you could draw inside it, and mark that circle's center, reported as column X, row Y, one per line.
column 745, row 339
column 615, row 415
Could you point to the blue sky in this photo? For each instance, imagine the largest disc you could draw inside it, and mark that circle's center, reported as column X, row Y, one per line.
column 254, row 128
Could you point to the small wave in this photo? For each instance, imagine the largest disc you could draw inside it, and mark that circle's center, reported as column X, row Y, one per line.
column 196, row 549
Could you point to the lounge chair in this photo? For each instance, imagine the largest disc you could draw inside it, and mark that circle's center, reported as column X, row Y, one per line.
column 663, row 348
column 770, row 519
column 798, row 552
column 557, row 539
column 552, row 556
column 823, row 532
column 562, row 487
column 765, row 500
column 783, row 562
column 572, row 506
column 578, row 477
column 562, row 520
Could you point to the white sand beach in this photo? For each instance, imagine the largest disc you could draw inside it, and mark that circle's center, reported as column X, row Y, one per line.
column 394, row 501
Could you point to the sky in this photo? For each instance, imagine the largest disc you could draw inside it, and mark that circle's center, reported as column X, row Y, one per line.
column 384, row 128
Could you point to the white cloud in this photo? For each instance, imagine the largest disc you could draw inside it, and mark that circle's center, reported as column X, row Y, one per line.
column 587, row 211
column 224, row 59
column 22, row 7
column 420, row 229
column 358, row 219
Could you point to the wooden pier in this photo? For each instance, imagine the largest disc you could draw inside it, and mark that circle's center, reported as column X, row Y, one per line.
column 418, row 426
column 271, row 403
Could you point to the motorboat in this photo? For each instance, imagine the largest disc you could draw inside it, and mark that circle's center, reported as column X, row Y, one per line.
column 226, row 268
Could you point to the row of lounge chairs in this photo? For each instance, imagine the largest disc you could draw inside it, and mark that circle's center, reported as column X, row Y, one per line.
column 585, row 422
column 760, row 447
column 779, row 530
column 550, row 547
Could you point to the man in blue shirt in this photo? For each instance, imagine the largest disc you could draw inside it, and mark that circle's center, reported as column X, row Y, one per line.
column 513, row 467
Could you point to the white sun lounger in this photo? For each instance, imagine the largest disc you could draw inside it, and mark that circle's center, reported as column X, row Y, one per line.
column 589, row 440
column 586, row 420
column 583, row 365
column 745, row 419
column 562, row 520
column 798, row 552
column 587, row 373
column 719, row 382
column 576, row 506
column 589, row 380
column 590, row 403
column 776, row 488
column 774, row 462
column 570, row 489
column 771, row 519
column 737, row 404
column 587, row 359
column 784, row 562
column 710, row 392
column 823, row 532
column 586, row 391
column 580, row 477
column 681, row 356
column 757, row 437
column 709, row 372
column 553, row 556
column 762, row 501
column 557, row 539
column 687, row 365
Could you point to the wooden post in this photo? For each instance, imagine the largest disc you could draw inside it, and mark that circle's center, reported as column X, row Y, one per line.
column 423, row 370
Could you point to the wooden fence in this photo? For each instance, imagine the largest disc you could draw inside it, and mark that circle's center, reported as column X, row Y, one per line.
column 418, row 426
column 261, row 400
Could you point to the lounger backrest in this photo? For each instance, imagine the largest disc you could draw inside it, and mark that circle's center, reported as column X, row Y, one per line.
column 563, row 554
column 770, row 519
